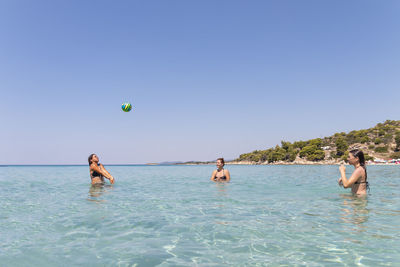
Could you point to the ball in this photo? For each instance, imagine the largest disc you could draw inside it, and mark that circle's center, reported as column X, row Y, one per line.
column 126, row 107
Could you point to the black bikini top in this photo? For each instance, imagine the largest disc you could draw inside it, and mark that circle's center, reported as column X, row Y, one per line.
column 365, row 181
column 223, row 177
column 94, row 174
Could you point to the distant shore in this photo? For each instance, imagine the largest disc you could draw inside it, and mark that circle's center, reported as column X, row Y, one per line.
column 325, row 162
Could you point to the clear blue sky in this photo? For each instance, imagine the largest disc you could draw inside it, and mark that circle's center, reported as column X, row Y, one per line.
column 206, row 78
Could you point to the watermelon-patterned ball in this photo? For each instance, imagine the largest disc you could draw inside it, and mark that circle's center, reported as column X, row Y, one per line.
column 126, row 107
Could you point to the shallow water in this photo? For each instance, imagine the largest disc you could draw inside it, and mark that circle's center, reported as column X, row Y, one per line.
column 175, row 216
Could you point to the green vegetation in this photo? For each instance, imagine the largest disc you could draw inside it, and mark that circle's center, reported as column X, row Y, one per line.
column 299, row 144
column 371, row 146
column 357, row 137
column 395, row 155
column 364, row 139
column 387, row 138
column 381, row 149
column 312, row 152
column 368, row 157
column 380, row 139
column 397, row 141
column 341, row 146
column 290, row 151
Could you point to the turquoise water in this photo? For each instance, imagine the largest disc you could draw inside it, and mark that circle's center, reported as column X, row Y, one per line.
column 175, row 216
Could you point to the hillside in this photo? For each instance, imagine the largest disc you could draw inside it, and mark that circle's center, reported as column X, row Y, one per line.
column 381, row 141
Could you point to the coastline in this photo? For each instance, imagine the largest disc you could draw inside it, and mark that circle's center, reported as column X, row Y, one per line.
column 327, row 162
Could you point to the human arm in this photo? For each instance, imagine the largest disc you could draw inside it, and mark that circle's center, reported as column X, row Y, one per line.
column 340, row 183
column 227, row 175
column 353, row 178
column 213, row 175
column 102, row 171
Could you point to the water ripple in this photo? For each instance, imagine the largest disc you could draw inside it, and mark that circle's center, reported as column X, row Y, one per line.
column 166, row 216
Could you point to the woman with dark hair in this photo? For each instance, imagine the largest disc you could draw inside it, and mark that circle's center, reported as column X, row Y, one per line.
column 220, row 174
column 97, row 171
column 358, row 180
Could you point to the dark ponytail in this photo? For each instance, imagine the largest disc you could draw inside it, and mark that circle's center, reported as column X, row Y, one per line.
column 90, row 158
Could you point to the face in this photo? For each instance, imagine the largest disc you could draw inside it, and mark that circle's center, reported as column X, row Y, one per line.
column 219, row 164
column 95, row 158
column 351, row 159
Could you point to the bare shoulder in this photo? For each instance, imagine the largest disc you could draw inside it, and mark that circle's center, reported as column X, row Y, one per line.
column 363, row 171
column 227, row 171
column 359, row 172
column 93, row 166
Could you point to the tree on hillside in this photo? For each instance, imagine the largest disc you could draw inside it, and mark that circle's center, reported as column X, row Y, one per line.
column 286, row 145
column 379, row 138
column 265, row 155
column 397, row 140
column 381, row 149
column 299, row 144
column 387, row 138
column 290, row 152
column 360, row 136
column 341, row 146
column 364, row 139
column 277, row 154
column 291, row 155
column 312, row 152
column 316, row 142
column 256, row 157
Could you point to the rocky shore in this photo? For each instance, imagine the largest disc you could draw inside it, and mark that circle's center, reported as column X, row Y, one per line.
column 298, row 161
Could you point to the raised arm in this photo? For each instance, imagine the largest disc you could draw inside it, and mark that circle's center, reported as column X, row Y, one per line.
column 102, row 171
column 213, row 175
column 227, row 175
column 353, row 178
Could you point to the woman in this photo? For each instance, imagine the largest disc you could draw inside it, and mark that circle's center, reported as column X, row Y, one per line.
column 97, row 171
column 220, row 174
column 358, row 180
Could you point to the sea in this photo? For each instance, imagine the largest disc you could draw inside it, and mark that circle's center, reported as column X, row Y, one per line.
column 175, row 216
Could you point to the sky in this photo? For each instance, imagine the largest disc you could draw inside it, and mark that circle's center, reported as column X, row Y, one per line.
column 206, row 79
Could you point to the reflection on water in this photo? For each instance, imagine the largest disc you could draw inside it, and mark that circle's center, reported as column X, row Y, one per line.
column 222, row 189
column 97, row 190
column 153, row 217
column 222, row 195
column 355, row 212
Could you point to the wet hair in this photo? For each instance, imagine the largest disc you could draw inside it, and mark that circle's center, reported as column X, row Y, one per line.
column 222, row 160
column 357, row 153
column 90, row 158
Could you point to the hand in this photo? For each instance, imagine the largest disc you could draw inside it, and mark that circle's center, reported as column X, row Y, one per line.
column 340, row 181
column 112, row 180
column 342, row 168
